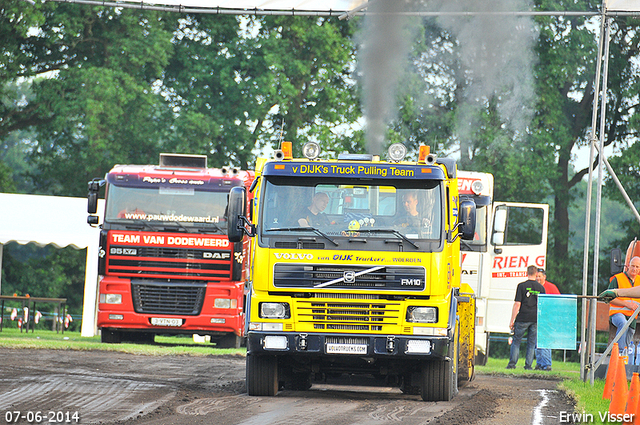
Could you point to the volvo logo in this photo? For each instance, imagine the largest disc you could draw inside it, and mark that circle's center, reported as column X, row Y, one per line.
column 349, row 276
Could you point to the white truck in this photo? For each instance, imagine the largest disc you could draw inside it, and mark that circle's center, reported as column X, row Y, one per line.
column 509, row 237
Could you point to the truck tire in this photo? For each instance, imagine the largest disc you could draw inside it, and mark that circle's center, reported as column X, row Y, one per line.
column 262, row 375
column 110, row 337
column 439, row 377
column 229, row 340
column 407, row 386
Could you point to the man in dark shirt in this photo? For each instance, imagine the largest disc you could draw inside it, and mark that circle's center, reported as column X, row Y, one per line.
column 313, row 216
column 524, row 318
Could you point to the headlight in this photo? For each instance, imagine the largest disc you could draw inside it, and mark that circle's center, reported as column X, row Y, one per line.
column 111, row 298
column 274, row 311
column 397, row 152
column 311, row 150
column 225, row 303
column 422, row 314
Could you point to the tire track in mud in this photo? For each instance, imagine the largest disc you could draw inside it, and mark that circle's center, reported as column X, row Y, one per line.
column 95, row 398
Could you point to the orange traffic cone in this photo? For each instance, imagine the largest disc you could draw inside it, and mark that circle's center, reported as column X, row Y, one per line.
column 620, row 390
column 611, row 372
column 634, row 394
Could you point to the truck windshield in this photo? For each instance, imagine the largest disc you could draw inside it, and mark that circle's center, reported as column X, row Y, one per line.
column 184, row 206
column 371, row 208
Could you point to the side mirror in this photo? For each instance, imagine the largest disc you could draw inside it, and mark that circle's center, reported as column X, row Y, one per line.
column 499, row 226
column 236, row 220
column 500, row 220
column 92, row 204
column 467, row 219
column 92, row 196
column 617, row 265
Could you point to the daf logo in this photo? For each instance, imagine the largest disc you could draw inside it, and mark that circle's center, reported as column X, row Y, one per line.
column 216, row 255
column 349, row 276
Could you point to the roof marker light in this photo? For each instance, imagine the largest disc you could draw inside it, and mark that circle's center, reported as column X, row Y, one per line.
column 423, row 153
column 287, row 150
column 311, row 150
column 397, row 152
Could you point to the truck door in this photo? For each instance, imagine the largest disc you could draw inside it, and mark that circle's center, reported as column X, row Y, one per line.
column 518, row 239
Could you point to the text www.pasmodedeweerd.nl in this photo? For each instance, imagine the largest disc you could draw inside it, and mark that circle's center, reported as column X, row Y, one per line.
column 171, row 217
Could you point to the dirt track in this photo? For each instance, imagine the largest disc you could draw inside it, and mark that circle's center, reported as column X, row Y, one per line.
column 109, row 387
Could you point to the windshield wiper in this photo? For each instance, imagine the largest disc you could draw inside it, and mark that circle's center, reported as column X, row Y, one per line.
column 179, row 225
column 216, row 228
column 142, row 223
column 393, row 232
column 312, row 229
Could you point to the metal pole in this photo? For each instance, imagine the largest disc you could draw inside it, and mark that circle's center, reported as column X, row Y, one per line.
column 587, row 220
column 596, row 245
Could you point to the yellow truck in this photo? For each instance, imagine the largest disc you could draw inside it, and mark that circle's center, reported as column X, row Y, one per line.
column 355, row 269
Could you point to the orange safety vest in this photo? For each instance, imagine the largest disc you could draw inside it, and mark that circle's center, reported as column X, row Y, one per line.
column 623, row 282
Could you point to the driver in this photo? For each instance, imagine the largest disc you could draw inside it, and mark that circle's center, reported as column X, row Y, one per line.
column 411, row 216
column 313, row 216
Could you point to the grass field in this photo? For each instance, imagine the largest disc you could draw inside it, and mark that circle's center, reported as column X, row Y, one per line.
column 588, row 398
column 164, row 345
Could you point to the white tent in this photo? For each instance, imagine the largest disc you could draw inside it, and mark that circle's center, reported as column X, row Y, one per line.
column 59, row 221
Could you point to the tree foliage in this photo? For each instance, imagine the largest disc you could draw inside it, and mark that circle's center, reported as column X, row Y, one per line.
column 87, row 87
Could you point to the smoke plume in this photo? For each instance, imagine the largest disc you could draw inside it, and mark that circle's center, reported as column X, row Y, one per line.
column 496, row 52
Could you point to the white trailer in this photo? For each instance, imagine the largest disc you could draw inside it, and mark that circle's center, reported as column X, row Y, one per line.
column 509, row 237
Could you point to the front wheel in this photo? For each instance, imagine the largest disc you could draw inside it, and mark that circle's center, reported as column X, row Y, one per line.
column 229, row 340
column 262, row 375
column 439, row 380
column 110, row 337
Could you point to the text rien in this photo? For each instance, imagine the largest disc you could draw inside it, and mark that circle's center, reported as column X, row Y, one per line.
column 566, row 417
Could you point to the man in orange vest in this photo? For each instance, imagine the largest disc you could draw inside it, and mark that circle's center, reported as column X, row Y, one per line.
column 623, row 286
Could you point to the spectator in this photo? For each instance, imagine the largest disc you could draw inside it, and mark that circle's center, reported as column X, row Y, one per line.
column 543, row 355
column 524, row 318
column 621, row 288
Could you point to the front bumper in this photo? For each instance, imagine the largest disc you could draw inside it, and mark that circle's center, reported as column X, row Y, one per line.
column 233, row 323
column 377, row 346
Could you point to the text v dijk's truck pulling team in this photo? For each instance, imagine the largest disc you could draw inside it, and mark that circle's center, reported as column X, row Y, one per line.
column 326, row 267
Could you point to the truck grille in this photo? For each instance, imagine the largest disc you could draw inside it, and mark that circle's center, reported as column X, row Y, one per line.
column 404, row 278
column 168, row 263
column 334, row 315
column 168, row 298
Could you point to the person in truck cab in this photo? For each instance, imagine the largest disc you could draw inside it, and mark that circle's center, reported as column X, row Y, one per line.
column 411, row 216
column 313, row 216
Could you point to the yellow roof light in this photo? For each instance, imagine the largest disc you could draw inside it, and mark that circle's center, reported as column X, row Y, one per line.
column 423, row 153
column 287, row 150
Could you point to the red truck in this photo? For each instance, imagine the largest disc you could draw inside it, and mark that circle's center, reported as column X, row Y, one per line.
column 165, row 263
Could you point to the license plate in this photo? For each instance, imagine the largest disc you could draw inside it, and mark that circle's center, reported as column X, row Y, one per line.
column 346, row 349
column 165, row 321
